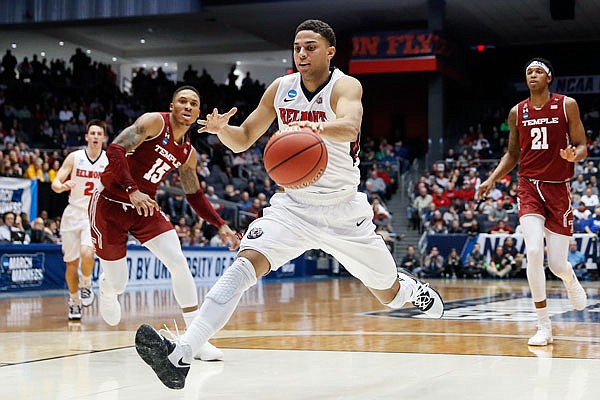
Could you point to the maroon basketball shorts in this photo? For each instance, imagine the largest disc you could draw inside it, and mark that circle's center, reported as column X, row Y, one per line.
column 111, row 221
column 552, row 201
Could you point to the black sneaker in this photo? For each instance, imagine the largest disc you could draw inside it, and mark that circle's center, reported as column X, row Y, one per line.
column 424, row 297
column 170, row 359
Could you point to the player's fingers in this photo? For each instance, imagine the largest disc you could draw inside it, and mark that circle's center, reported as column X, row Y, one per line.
column 201, row 122
column 231, row 112
column 203, row 129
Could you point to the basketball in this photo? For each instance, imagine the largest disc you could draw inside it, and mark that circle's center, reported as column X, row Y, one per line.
column 295, row 158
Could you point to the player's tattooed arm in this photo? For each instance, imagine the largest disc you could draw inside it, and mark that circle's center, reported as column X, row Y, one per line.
column 187, row 174
column 147, row 125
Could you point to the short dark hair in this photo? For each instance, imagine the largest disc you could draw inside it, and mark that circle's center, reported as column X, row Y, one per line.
column 320, row 27
column 186, row 87
column 96, row 122
column 542, row 60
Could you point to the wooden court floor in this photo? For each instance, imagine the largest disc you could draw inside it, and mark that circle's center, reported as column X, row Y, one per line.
column 484, row 318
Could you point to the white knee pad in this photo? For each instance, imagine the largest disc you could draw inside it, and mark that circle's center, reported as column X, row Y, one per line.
column 116, row 275
column 235, row 281
column 168, row 250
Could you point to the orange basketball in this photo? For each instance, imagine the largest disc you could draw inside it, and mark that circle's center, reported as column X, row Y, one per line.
column 295, row 158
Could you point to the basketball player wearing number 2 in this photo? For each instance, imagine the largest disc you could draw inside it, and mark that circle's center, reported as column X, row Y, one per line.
column 547, row 137
column 140, row 158
column 329, row 215
column 80, row 175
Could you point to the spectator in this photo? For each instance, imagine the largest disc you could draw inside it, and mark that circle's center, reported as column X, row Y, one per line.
column 590, row 199
column 39, row 234
column 509, row 247
column 475, row 264
column 501, row 228
column 378, row 185
column 578, row 186
column 577, row 260
column 453, row 266
column 592, row 225
column 501, row 264
column 410, row 261
column 455, row 227
column 433, row 266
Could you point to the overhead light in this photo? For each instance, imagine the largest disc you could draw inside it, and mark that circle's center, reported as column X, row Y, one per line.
column 150, row 30
column 284, row 60
column 144, row 65
column 166, row 64
column 114, row 58
column 88, row 51
column 61, row 43
column 43, row 54
column 142, row 41
column 14, row 45
column 238, row 62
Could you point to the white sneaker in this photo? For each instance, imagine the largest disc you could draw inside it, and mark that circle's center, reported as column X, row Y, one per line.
column 87, row 296
column 110, row 309
column 543, row 336
column 424, row 297
column 208, row 352
column 74, row 310
column 576, row 294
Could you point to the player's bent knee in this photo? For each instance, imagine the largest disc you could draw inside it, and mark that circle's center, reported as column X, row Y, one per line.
column 261, row 264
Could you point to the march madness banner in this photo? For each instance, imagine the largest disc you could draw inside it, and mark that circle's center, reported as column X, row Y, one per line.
column 19, row 195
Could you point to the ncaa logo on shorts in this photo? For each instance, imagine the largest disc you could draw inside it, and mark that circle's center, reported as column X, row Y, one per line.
column 254, row 233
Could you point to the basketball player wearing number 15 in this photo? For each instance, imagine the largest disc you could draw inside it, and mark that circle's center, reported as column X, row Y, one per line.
column 329, row 215
column 140, row 158
column 547, row 137
column 80, row 174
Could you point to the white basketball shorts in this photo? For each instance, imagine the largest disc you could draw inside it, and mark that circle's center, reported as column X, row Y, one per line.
column 345, row 230
column 75, row 232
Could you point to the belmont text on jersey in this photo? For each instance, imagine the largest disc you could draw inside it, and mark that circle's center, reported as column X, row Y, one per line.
column 84, row 173
column 288, row 115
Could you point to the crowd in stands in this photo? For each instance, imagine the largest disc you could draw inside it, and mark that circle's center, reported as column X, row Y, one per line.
column 44, row 108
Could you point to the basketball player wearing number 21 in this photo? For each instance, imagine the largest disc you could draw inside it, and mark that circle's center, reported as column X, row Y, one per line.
column 547, row 137
column 329, row 215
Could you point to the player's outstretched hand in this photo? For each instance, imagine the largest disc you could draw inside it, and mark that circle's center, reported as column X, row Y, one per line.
column 484, row 189
column 144, row 204
column 215, row 122
column 569, row 153
column 228, row 236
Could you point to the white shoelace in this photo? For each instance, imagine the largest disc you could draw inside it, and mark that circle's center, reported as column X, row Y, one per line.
column 166, row 332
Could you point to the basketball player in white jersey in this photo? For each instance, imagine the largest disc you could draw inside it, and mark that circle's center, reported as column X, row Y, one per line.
column 329, row 215
column 80, row 173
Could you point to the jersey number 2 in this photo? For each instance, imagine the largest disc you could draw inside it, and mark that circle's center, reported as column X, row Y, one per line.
column 158, row 170
column 89, row 188
column 540, row 138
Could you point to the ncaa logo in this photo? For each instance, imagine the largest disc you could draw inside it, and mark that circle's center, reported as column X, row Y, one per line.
column 292, row 93
column 254, row 233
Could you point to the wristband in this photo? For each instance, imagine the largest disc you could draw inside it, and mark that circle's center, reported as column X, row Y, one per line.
column 119, row 167
column 204, row 209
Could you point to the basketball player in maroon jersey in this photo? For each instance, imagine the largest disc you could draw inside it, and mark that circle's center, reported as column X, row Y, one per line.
column 139, row 159
column 547, row 137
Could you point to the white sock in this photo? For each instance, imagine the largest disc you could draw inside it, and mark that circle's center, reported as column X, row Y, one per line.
column 542, row 315
column 86, row 281
column 220, row 303
column 403, row 296
column 188, row 317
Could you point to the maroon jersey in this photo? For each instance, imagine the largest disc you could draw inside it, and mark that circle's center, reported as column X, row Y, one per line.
column 542, row 134
column 149, row 163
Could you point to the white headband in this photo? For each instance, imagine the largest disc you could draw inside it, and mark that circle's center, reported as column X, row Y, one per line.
column 539, row 64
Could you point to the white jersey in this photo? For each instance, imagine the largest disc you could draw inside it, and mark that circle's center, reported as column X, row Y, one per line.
column 342, row 175
column 86, row 175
